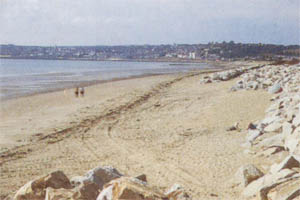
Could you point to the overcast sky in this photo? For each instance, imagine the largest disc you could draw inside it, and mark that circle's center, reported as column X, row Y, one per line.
column 121, row 22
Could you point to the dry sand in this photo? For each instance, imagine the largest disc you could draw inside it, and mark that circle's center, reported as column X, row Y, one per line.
column 169, row 127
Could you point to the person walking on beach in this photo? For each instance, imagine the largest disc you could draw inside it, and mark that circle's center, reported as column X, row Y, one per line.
column 76, row 92
column 82, row 91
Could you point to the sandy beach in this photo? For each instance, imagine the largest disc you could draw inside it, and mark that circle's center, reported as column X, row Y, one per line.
column 170, row 127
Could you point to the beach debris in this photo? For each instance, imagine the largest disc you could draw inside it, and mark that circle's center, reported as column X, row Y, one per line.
column 213, row 195
column 234, row 127
column 231, row 128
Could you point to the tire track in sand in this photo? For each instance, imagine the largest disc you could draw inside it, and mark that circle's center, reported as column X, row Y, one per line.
column 86, row 124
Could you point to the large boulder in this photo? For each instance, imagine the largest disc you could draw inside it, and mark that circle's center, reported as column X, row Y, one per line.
column 142, row 177
column 77, row 180
column 275, row 88
column 266, row 83
column 287, row 191
column 274, row 127
column 126, row 188
column 85, row 191
column 292, row 142
column 36, row 190
column 215, row 76
column 270, row 120
column 287, row 129
column 271, row 150
column 264, row 184
column 59, row 194
column 246, row 174
column 99, row 175
column 296, row 120
column 263, row 193
column 253, row 134
column 273, row 141
column 288, row 163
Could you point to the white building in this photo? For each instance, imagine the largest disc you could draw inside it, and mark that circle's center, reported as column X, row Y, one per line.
column 192, row 55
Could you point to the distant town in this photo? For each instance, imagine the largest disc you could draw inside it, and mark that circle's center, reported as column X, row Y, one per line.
column 213, row 51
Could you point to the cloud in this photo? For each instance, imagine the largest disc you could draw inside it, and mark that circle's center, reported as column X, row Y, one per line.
column 92, row 22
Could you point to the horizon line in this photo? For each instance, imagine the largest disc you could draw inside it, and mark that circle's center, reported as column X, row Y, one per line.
column 166, row 44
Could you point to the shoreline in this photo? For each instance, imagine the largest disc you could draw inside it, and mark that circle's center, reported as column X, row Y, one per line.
column 73, row 84
column 125, row 60
column 95, row 82
column 76, row 84
column 213, row 63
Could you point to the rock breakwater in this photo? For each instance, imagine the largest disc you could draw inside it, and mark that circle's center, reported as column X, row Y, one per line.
column 101, row 183
column 276, row 137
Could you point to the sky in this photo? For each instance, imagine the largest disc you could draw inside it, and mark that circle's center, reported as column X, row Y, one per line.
column 125, row 22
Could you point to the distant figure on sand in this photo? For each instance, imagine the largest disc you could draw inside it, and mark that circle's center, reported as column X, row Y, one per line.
column 76, row 92
column 82, row 92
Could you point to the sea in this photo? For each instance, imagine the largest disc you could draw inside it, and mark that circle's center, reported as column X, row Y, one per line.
column 21, row 77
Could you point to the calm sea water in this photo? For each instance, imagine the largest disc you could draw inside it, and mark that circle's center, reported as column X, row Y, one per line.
column 22, row 77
